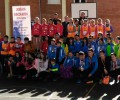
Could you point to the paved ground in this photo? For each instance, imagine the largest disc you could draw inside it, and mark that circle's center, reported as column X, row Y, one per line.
column 63, row 90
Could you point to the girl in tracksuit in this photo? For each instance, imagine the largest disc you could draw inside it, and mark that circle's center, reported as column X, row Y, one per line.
column 66, row 72
column 28, row 63
column 54, row 70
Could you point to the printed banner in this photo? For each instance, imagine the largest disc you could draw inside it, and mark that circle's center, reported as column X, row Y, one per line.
column 21, row 22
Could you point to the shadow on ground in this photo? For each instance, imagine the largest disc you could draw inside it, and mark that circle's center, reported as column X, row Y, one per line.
column 62, row 88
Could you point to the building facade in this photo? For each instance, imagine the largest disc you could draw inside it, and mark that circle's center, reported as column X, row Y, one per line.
column 41, row 8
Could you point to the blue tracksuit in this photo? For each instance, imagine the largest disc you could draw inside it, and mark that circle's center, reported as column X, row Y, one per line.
column 76, row 62
column 55, row 68
column 77, row 45
column 91, row 63
column 79, row 63
column 100, row 47
column 71, row 48
column 84, row 48
column 52, row 52
column 69, row 62
column 93, row 46
column 61, row 54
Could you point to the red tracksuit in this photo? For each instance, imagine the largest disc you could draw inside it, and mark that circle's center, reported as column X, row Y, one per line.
column 44, row 46
column 19, row 47
column 59, row 29
column 44, row 31
column 36, row 29
column 52, row 30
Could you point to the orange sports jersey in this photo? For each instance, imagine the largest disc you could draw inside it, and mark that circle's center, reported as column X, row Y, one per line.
column 44, row 31
column 93, row 31
column 70, row 28
column 12, row 49
column 5, row 48
column 36, row 29
column 107, row 29
column 84, row 31
column 59, row 29
column 52, row 30
column 101, row 28
column 28, row 47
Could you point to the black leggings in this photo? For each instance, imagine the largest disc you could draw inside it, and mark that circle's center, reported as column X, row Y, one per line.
column 31, row 72
column 115, row 73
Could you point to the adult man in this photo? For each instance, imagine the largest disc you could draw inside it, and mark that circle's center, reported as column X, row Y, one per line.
column 65, row 23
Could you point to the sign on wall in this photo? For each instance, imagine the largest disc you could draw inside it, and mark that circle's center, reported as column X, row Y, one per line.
column 21, row 22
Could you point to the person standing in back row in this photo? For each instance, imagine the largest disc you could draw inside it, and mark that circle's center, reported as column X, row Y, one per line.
column 55, row 19
column 36, row 32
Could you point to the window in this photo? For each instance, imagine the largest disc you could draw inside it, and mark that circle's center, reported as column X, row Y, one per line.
column 79, row 1
column 54, row 1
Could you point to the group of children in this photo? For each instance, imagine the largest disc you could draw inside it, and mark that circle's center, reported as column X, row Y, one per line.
column 85, row 51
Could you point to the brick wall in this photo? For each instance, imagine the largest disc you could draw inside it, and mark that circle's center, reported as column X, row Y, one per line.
column 106, row 9
column 48, row 10
column 2, row 17
column 110, row 9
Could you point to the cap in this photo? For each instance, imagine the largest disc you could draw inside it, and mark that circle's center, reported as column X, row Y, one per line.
column 118, row 37
column 91, row 49
column 53, row 40
column 81, row 53
column 108, row 33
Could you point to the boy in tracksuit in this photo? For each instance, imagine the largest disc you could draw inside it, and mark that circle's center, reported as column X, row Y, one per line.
column 4, row 50
column 109, row 47
column 91, row 67
column 52, row 50
column 77, row 43
column 79, row 67
column 60, row 54
column 54, row 70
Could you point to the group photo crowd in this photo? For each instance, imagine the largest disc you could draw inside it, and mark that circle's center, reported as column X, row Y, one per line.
column 82, row 50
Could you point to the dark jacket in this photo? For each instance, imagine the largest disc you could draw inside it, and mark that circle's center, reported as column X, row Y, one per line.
column 65, row 31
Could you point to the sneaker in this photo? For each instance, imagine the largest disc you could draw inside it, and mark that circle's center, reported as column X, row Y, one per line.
column 89, row 82
column 112, row 82
column 118, row 79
